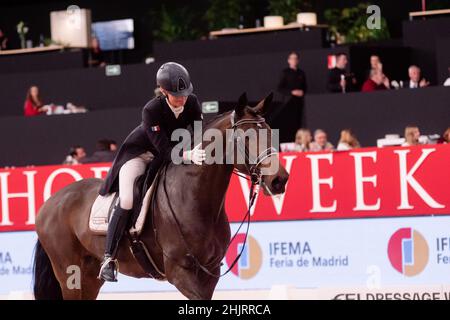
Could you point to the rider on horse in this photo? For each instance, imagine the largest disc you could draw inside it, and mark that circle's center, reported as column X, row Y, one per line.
column 149, row 144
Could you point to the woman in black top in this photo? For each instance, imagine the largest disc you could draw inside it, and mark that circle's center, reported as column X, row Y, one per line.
column 149, row 144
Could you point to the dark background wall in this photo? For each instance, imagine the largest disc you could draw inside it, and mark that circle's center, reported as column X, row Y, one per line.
column 42, row 61
column 214, row 78
column 46, row 139
column 372, row 115
column 443, row 59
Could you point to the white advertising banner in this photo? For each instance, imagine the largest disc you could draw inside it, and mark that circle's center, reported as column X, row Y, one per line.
column 363, row 253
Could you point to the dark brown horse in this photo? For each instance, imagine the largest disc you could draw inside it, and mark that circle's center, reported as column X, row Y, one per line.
column 196, row 195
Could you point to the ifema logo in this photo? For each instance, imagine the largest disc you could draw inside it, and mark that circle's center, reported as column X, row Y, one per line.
column 251, row 259
column 408, row 251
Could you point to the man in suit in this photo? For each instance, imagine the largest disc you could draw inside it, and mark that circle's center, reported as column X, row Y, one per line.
column 339, row 80
column 415, row 78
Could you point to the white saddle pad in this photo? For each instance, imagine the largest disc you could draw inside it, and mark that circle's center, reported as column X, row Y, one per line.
column 98, row 220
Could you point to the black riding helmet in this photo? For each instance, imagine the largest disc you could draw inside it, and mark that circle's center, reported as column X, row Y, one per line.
column 174, row 78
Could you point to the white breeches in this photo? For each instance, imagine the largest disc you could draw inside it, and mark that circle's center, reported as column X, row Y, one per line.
column 128, row 173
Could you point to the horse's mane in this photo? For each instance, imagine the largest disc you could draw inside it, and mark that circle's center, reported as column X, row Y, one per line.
column 210, row 123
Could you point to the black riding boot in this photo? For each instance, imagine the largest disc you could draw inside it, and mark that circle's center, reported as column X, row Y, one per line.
column 116, row 228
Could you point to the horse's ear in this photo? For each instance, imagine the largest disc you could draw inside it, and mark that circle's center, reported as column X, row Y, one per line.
column 242, row 103
column 263, row 106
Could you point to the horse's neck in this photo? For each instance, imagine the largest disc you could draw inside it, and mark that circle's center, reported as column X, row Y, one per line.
column 215, row 177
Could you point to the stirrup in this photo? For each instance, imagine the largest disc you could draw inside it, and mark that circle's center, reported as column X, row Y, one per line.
column 105, row 263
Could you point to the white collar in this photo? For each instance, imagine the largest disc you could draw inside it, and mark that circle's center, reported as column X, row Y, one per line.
column 176, row 111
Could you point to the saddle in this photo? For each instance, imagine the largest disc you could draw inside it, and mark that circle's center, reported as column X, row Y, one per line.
column 143, row 195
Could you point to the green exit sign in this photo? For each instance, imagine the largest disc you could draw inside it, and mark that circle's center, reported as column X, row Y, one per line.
column 210, row 107
column 113, row 70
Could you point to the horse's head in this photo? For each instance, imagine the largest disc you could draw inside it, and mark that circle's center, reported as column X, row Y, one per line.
column 257, row 145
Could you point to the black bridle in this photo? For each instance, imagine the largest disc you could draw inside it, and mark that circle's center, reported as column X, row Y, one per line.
column 253, row 170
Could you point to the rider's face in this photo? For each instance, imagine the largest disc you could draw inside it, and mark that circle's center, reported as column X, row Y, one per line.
column 176, row 102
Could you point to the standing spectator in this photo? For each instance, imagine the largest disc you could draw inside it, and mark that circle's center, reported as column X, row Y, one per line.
column 3, row 40
column 377, row 81
column 347, row 141
column 33, row 103
column 412, row 135
column 104, row 153
column 320, row 142
column 96, row 56
column 303, row 140
column 415, row 78
column 76, row 155
column 339, row 80
column 293, row 87
column 445, row 136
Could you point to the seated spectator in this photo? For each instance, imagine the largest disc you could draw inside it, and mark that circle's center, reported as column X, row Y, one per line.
column 447, row 82
column 415, row 78
column 75, row 156
column 302, row 140
column 377, row 81
column 96, row 56
column 339, row 80
column 375, row 63
column 112, row 145
column 104, row 153
column 347, row 141
column 33, row 103
column 445, row 137
column 412, row 135
column 3, row 40
column 320, row 142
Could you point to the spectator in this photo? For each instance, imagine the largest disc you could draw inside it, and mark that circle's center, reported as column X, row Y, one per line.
column 377, row 81
column 375, row 63
column 96, row 56
column 3, row 40
column 302, row 140
column 33, row 103
column 415, row 79
column 104, row 153
column 112, row 145
column 293, row 87
column 445, row 137
column 339, row 80
column 412, row 135
column 447, row 82
column 348, row 141
column 320, row 142
column 76, row 155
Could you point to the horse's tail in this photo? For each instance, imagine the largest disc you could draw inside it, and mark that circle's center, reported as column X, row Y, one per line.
column 46, row 286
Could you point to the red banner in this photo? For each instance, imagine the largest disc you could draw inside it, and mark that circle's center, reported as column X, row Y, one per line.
column 361, row 183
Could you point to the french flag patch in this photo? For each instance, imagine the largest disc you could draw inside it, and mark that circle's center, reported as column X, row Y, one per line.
column 155, row 128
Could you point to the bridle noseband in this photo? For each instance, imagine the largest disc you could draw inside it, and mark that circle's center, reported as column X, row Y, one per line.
column 253, row 169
